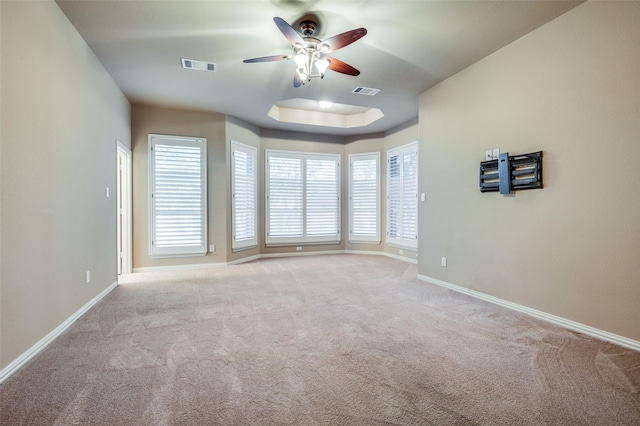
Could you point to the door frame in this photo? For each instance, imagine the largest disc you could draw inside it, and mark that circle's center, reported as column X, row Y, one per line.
column 124, row 205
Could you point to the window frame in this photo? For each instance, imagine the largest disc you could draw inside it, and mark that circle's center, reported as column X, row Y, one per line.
column 249, row 242
column 400, row 240
column 179, row 250
column 304, row 237
column 354, row 236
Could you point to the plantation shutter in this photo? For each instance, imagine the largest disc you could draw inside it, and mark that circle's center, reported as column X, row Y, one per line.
column 402, row 196
column 364, row 202
column 303, row 197
column 322, row 197
column 244, row 201
column 410, row 196
column 394, row 198
column 177, row 195
column 285, row 198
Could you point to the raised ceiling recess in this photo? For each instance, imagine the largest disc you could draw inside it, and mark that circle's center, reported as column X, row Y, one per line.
column 309, row 112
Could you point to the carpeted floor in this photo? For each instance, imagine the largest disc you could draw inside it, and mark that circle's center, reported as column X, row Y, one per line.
column 323, row 340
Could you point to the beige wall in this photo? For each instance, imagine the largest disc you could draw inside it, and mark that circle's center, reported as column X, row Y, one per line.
column 571, row 89
column 61, row 117
column 166, row 121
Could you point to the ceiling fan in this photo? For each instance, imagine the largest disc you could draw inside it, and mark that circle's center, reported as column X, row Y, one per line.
column 309, row 52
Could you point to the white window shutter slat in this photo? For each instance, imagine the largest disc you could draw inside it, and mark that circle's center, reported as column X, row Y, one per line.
column 394, row 205
column 285, row 198
column 409, row 196
column 178, row 195
column 244, row 192
column 322, row 202
column 364, row 216
column 302, row 197
column 402, row 196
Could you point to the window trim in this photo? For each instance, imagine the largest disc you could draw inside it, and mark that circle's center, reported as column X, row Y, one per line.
column 178, row 251
column 359, row 238
column 304, row 238
column 250, row 242
column 401, row 241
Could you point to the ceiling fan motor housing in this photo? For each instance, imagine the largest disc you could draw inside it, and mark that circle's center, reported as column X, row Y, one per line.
column 308, row 28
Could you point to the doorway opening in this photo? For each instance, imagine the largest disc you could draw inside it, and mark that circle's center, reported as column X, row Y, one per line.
column 124, row 189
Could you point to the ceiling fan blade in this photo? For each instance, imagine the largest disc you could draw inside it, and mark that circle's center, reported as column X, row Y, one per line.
column 342, row 67
column 268, row 59
column 341, row 40
column 286, row 29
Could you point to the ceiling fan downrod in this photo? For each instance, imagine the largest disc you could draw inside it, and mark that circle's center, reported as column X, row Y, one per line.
column 308, row 28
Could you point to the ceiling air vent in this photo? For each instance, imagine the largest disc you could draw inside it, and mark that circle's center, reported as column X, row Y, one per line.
column 190, row 64
column 365, row 91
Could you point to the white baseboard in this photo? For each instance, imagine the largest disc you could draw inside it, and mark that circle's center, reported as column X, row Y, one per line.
column 178, row 267
column 6, row 372
column 398, row 257
column 300, row 253
column 266, row 256
column 563, row 322
column 243, row 260
column 366, row 253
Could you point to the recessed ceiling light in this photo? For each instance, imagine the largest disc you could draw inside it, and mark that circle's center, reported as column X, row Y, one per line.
column 325, row 104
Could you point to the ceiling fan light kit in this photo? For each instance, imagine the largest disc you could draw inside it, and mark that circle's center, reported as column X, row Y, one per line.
column 308, row 51
column 307, row 60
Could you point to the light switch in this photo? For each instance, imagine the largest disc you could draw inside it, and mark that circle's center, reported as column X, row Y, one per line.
column 423, row 197
column 487, row 155
column 496, row 153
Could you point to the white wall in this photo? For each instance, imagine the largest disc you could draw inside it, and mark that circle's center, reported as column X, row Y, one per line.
column 571, row 89
column 61, row 116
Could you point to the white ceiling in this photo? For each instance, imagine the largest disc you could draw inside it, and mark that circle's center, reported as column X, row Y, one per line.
column 411, row 45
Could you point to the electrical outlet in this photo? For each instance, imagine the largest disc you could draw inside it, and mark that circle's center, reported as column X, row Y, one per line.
column 298, row 248
column 212, row 248
column 443, row 262
column 106, row 192
column 496, row 153
column 88, row 277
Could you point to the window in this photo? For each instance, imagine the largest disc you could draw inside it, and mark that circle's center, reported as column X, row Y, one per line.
column 177, row 196
column 244, row 201
column 303, row 198
column 402, row 196
column 364, row 197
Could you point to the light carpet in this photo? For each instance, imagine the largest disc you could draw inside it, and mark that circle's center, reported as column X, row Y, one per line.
column 318, row 340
